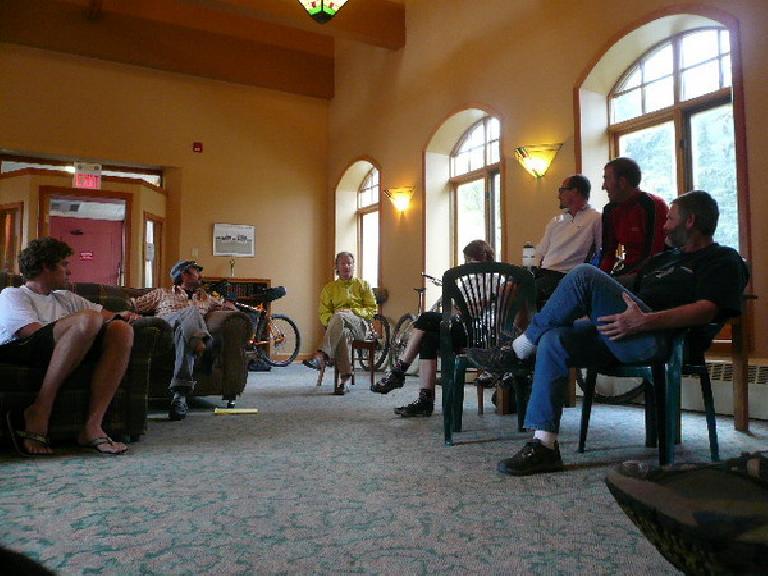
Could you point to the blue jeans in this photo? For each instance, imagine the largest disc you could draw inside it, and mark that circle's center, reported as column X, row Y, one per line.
column 564, row 341
column 189, row 328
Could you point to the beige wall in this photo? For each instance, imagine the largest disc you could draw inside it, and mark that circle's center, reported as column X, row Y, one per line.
column 520, row 61
column 264, row 159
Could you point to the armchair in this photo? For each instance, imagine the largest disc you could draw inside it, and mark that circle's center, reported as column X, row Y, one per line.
column 126, row 417
column 229, row 374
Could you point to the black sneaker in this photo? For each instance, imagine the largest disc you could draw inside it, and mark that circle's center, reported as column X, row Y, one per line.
column 500, row 359
column 178, row 409
column 533, row 458
column 395, row 379
column 422, row 407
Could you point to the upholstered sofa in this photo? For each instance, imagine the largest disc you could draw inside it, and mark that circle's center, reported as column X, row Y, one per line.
column 127, row 415
column 229, row 373
column 149, row 370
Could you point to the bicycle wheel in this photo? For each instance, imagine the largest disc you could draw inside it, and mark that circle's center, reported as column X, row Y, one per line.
column 402, row 333
column 626, row 397
column 284, row 341
column 381, row 329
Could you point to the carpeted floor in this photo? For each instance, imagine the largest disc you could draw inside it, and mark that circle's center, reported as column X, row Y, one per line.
column 321, row 484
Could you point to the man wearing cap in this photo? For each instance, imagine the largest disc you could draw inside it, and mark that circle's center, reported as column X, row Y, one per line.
column 184, row 306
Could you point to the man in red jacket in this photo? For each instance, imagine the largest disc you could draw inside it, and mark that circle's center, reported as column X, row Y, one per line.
column 632, row 218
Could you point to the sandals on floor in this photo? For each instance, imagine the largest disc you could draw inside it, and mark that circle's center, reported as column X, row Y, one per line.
column 14, row 425
column 98, row 443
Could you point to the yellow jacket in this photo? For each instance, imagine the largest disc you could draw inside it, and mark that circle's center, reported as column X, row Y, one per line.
column 354, row 294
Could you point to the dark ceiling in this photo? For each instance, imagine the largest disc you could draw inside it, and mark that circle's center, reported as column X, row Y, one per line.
column 268, row 43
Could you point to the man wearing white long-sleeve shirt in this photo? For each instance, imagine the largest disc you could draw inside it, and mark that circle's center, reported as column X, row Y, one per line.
column 569, row 238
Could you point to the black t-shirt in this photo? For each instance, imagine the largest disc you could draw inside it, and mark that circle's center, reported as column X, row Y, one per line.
column 674, row 278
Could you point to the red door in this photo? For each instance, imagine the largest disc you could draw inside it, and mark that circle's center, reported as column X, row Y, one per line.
column 97, row 247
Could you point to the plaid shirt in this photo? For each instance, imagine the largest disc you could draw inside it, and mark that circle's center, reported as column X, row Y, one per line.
column 163, row 301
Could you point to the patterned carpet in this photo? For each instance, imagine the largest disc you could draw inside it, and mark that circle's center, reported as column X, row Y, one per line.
column 321, row 484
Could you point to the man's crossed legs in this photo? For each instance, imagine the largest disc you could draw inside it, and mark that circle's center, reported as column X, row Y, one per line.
column 561, row 340
column 73, row 338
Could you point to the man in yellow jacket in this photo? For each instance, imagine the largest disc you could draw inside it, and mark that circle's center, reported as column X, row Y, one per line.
column 347, row 304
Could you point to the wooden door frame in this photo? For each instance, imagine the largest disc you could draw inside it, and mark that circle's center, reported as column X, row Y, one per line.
column 48, row 192
column 16, row 210
column 159, row 245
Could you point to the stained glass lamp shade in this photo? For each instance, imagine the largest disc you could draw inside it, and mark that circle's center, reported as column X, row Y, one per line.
column 322, row 10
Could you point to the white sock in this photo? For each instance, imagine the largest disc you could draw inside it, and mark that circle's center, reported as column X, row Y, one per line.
column 523, row 347
column 546, row 438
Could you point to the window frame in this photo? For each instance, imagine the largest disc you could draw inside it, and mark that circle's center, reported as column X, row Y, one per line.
column 360, row 212
column 679, row 112
column 487, row 173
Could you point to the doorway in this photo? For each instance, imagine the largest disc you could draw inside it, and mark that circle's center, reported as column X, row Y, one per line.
column 95, row 224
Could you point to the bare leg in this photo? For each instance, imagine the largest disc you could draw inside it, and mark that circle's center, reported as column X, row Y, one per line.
column 110, row 369
column 412, row 350
column 427, row 373
column 73, row 337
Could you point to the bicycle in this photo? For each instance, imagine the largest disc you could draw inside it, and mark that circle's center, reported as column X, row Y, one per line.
column 404, row 326
column 276, row 338
column 379, row 330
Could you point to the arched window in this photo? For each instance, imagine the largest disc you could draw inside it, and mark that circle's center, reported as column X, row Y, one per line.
column 476, row 183
column 368, row 227
column 672, row 112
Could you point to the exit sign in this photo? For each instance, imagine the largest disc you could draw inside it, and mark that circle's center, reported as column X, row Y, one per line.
column 87, row 175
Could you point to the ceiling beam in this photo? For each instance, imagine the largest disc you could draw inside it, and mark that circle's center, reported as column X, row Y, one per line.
column 376, row 22
column 159, row 42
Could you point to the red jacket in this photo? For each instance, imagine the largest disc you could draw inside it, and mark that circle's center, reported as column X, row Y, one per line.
column 637, row 224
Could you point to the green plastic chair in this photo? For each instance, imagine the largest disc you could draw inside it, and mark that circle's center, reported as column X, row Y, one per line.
column 495, row 301
column 662, row 380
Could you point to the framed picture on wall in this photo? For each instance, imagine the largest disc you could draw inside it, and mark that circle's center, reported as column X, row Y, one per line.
column 233, row 240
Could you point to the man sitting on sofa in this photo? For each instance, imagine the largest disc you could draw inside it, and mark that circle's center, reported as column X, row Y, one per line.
column 41, row 323
column 184, row 307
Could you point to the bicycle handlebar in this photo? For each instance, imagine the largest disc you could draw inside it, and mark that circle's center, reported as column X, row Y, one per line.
column 435, row 281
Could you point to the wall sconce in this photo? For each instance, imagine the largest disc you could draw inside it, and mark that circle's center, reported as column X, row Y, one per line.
column 537, row 158
column 400, row 197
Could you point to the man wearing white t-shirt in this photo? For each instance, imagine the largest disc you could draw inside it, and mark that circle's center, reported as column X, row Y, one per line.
column 42, row 323
column 569, row 238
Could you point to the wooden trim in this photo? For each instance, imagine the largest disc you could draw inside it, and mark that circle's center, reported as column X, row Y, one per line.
column 13, row 206
column 15, row 211
column 46, row 192
column 158, row 265
column 108, row 179
column 65, row 162
column 740, row 142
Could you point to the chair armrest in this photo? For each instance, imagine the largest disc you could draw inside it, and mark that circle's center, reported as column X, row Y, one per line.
column 220, row 320
column 162, row 345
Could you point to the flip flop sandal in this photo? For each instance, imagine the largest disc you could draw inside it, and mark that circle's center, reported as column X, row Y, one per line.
column 96, row 444
column 14, row 423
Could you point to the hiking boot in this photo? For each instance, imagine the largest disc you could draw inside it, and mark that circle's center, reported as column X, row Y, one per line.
column 499, row 360
column 422, row 407
column 533, row 458
column 395, row 379
column 178, row 409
